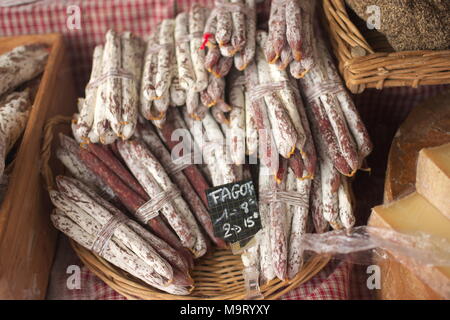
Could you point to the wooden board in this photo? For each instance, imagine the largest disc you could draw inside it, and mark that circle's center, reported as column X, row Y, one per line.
column 427, row 125
column 27, row 238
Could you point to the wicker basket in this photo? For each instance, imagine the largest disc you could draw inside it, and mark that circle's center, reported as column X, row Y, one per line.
column 217, row 276
column 372, row 64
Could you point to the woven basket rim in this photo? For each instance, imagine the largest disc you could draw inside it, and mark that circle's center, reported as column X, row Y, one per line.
column 132, row 288
column 380, row 69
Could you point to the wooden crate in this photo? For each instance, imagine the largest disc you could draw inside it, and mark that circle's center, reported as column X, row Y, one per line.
column 27, row 238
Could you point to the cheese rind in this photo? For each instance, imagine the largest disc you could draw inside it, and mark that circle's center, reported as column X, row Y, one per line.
column 409, row 215
column 433, row 177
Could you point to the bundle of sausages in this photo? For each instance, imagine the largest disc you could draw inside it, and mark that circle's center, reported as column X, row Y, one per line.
column 14, row 111
column 337, row 202
column 209, row 137
column 333, row 113
column 144, row 194
column 179, row 172
column 165, row 196
column 273, row 116
column 230, row 35
column 285, row 208
column 21, row 64
column 110, row 108
column 158, row 75
column 174, row 72
column 98, row 226
column 290, row 39
column 17, row 66
column 207, row 90
column 331, row 193
column 159, row 197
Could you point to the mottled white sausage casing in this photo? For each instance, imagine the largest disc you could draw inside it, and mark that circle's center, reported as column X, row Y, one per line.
column 77, row 168
column 196, row 25
column 291, row 186
column 294, row 28
column 115, row 254
column 164, row 249
column 264, row 235
column 14, row 112
column 165, row 56
column 162, row 178
column 94, row 222
column 236, row 138
column 347, row 106
column 132, row 62
column 301, row 67
column 215, row 136
column 283, row 130
column 238, row 37
column 183, row 51
column 308, row 153
column 279, row 241
column 150, row 66
column 154, row 180
column 251, row 128
column 320, row 224
column 192, row 102
column 159, row 150
column 298, row 228
column 345, row 204
column 330, row 182
column 277, row 31
column 86, row 113
column 111, row 96
column 224, row 26
column 21, row 64
column 267, row 152
column 286, row 94
column 177, row 93
column 209, row 158
column 244, row 57
column 161, row 105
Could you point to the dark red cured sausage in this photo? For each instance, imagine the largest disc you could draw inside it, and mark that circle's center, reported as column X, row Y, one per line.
column 212, row 57
column 193, row 174
column 222, row 67
column 296, row 164
column 108, row 158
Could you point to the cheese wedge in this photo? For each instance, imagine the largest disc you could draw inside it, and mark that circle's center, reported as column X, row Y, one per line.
column 433, row 176
column 410, row 214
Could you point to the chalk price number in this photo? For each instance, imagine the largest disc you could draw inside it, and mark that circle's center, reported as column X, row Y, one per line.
column 249, row 220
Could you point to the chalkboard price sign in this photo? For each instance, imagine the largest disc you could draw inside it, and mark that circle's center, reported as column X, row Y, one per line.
column 234, row 211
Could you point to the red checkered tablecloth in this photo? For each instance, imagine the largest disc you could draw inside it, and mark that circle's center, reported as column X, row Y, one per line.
column 382, row 111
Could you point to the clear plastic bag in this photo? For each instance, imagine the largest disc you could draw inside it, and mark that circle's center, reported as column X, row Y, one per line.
column 421, row 253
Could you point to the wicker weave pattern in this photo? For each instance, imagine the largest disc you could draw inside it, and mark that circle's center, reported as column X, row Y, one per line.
column 362, row 67
column 217, row 276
